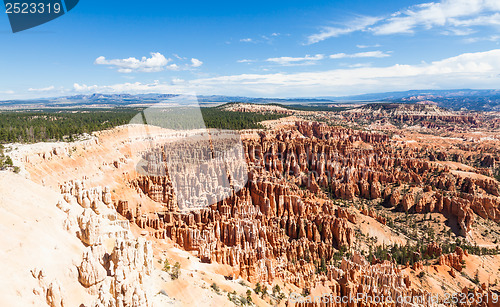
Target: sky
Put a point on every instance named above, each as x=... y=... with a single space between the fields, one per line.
x=254 y=48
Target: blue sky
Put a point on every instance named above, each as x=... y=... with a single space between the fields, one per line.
x=258 y=48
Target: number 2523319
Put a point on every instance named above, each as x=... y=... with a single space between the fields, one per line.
x=32 y=8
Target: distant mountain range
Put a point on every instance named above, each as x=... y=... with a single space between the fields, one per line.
x=404 y=94
x=479 y=100
x=117 y=100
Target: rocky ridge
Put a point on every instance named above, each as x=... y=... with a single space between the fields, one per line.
x=114 y=277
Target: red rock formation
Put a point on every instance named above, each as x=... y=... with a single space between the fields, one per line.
x=418 y=266
x=266 y=221
x=453 y=260
x=282 y=220
x=373 y=214
x=433 y=250
x=361 y=284
x=478 y=297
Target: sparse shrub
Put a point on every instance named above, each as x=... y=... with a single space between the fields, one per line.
x=215 y=287
x=176 y=271
x=8 y=161
x=166 y=266
x=476 y=278
x=276 y=289
x=243 y=283
x=162 y=292
x=306 y=292
x=264 y=291
x=258 y=288
x=244 y=301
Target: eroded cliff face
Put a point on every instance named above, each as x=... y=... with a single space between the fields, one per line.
x=283 y=226
x=114 y=275
x=359 y=283
x=282 y=223
x=264 y=230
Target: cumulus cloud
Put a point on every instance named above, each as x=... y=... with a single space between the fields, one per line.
x=452 y=14
x=246 y=40
x=196 y=62
x=368 y=54
x=157 y=62
x=476 y=70
x=288 y=61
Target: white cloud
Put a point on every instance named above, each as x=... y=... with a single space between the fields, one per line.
x=459 y=32
x=286 y=61
x=178 y=81
x=8 y=92
x=470 y=69
x=179 y=57
x=135 y=88
x=357 y=65
x=446 y=12
x=358 y=24
x=368 y=54
x=268 y=38
x=368 y=46
x=44 y=89
x=245 y=61
x=474 y=70
x=157 y=62
x=491 y=38
x=490 y=20
x=173 y=67
x=196 y=62
x=450 y=14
